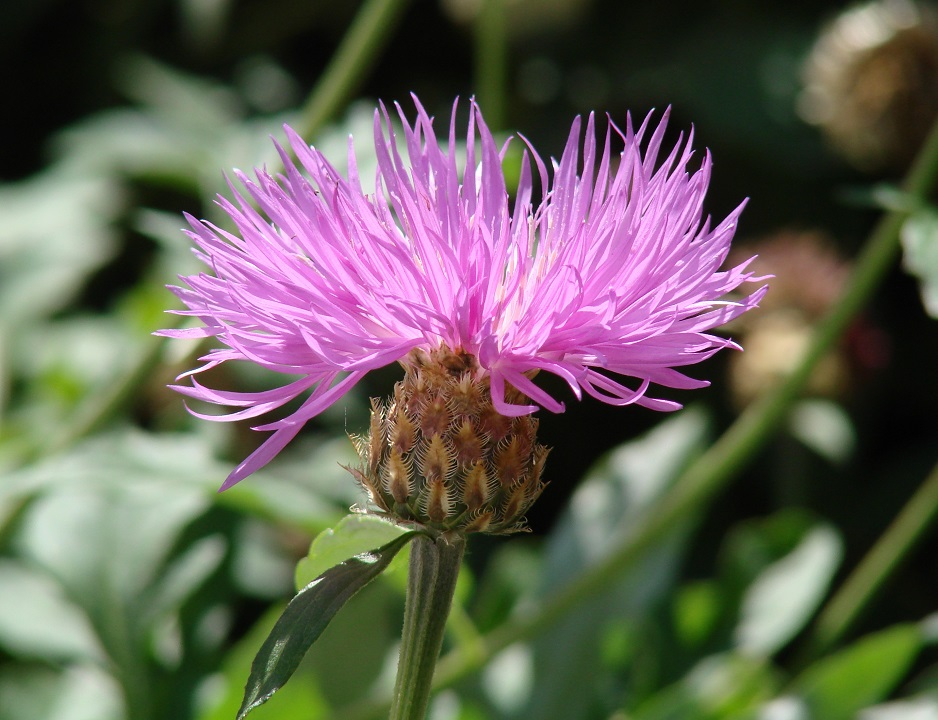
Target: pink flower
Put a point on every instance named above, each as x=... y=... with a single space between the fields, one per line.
x=614 y=272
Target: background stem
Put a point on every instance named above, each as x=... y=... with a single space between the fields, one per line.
x=491 y=62
x=366 y=37
x=859 y=588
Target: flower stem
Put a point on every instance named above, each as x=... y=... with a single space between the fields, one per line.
x=431 y=582
x=859 y=588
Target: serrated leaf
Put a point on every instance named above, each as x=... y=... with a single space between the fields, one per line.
x=352 y=535
x=306 y=617
x=839 y=686
x=920 y=254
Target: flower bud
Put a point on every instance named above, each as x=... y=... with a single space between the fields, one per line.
x=438 y=454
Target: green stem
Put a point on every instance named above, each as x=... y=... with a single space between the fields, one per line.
x=366 y=37
x=431 y=582
x=491 y=61
x=854 y=595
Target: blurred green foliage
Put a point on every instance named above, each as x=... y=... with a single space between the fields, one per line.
x=130 y=590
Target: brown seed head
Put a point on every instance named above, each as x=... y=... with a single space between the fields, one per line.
x=439 y=455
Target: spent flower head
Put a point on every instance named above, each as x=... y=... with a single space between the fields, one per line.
x=602 y=269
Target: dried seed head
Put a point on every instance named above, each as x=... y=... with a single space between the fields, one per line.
x=440 y=455
x=871 y=82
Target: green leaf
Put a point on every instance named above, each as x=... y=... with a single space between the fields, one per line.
x=837 y=687
x=920 y=254
x=719 y=686
x=825 y=427
x=696 y=611
x=352 y=535
x=56 y=231
x=307 y=615
x=299 y=699
x=38 y=621
x=753 y=545
x=81 y=691
x=786 y=593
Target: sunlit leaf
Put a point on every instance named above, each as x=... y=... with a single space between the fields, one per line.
x=783 y=597
x=696 y=610
x=353 y=534
x=80 y=692
x=222 y=696
x=924 y=708
x=825 y=427
x=307 y=615
x=719 y=686
x=753 y=545
x=56 y=230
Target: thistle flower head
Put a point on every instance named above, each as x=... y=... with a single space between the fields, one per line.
x=611 y=272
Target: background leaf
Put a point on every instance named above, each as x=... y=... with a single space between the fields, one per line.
x=920 y=254
x=862 y=674
x=784 y=596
